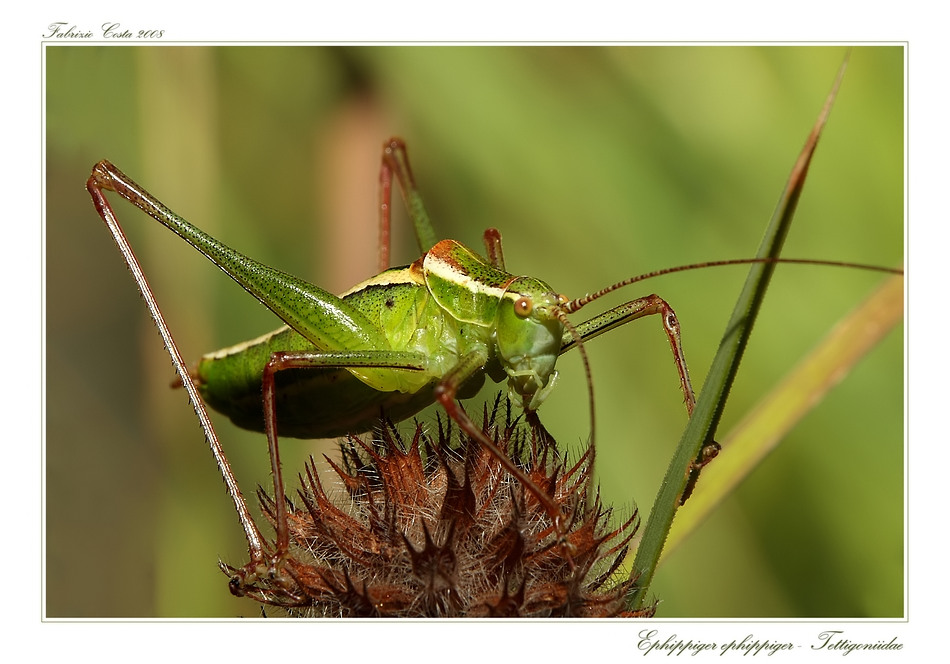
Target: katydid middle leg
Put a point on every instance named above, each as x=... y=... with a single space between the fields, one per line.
x=283 y=361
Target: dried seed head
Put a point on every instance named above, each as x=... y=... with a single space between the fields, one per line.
x=438 y=528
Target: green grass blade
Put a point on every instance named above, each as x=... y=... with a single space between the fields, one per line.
x=709 y=407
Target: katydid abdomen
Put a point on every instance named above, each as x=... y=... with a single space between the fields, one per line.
x=310 y=403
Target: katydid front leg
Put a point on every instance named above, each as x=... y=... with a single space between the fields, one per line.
x=631 y=311
x=651 y=305
x=318 y=315
x=445 y=394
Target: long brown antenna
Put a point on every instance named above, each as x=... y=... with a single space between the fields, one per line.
x=576 y=304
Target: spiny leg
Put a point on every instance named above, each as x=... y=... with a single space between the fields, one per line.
x=396 y=161
x=102 y=178
x=628 y=312
x=631 y=311
x=316 y=314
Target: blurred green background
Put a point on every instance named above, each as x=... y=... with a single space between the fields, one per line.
x=596 y=164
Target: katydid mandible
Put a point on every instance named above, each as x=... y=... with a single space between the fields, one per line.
x=410 y=336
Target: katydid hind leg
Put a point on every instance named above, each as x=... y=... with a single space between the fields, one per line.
x=252 y=534
x=106 y=176
x=324 y=319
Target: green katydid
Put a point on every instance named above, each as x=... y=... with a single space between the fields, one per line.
x=410 y=336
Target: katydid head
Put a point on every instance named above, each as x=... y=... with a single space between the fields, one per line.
x=528 y=332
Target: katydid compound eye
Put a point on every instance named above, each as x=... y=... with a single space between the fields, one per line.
x=523 y=307
x=562 y=300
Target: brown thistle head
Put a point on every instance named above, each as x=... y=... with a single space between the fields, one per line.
x=438 y=528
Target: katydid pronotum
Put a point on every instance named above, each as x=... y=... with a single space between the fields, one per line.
x=413 y=335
